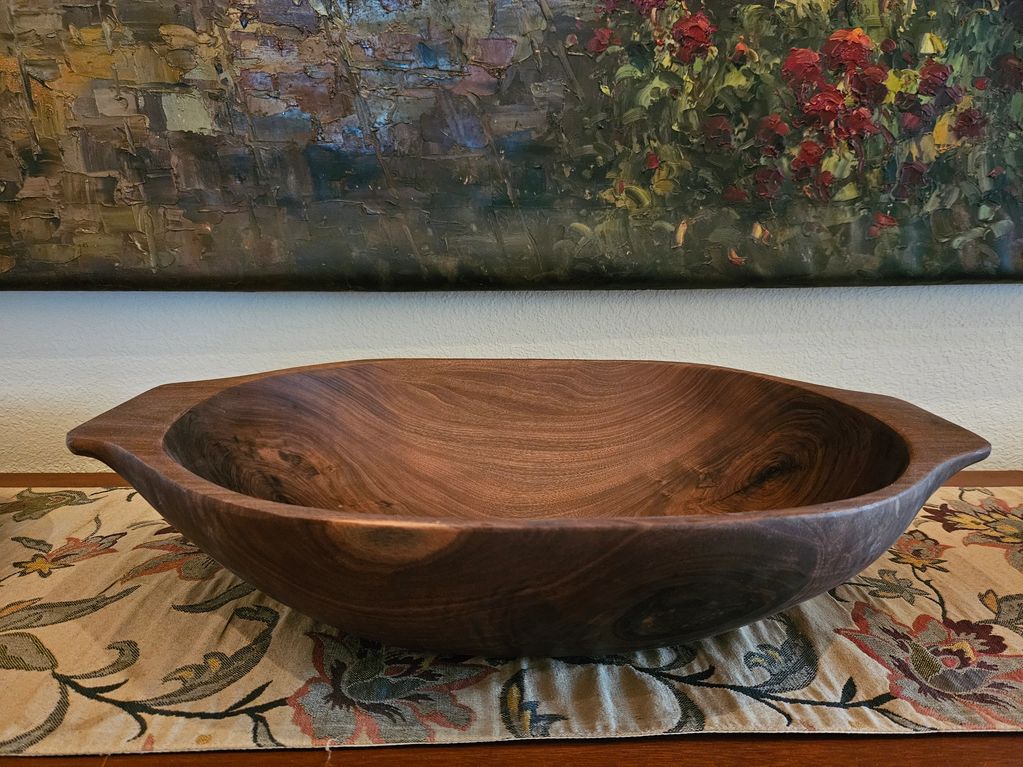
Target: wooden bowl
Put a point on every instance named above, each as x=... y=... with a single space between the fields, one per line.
x=509 y=507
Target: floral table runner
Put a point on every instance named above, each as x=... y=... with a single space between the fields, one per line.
x=118 y=635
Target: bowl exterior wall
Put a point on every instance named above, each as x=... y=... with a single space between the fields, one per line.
x=540 y=590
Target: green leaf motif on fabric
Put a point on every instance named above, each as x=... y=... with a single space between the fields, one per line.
x=32 y=614
x=127 y=655
x=791 y=666
x=19 y=743
x=24 y=652
x=29 y=505
x=1008 y=610
x=33 y=543
x=237 y=591
x=520 y=714
x=217 y=670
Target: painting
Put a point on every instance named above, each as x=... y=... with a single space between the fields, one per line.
x=443 y=144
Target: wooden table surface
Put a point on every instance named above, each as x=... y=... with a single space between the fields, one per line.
x=970 y=750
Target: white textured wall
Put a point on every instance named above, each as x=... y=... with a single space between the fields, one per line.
x=64 y=357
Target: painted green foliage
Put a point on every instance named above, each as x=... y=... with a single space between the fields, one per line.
x=840 y=136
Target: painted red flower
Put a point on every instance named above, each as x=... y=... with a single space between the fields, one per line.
x=602 y=39
x=914 y=115
x=847 y=48
x=870 y=84
x=645 y=6
x=912 y=176
x=955 y=671
x=820 y=189
x=969 y=123
x=1007 y=72
x=911 y=123
x=948 y=96
x=741 y=50
x=718 y=131
x=771 y=127
x=733 y=193
x=767 y=182
x=652 y=161
x=807 y=159
x=889 y=46
x=933 y=77
x=906 y=542
x=771 y=133
x=692 y=36
x=825 y=105
x=802 y=69
x=857 y=124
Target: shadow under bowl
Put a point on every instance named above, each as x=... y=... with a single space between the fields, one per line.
x=509 y=507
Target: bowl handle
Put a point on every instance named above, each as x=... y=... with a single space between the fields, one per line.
x=137 y=425
x=930 y=438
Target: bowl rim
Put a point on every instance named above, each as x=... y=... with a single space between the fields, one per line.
x=130 y=438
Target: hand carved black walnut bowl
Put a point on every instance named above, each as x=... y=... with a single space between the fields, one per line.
x=510 y=507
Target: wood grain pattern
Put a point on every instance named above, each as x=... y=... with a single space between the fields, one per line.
x=514 y=507
x=988 y=750
x=976 y=478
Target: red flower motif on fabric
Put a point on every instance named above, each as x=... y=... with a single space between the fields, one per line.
x=955 y=671
x=182 y=556
x=914 y=547
x=73 y=551
x=363 y=691
x=992 y=523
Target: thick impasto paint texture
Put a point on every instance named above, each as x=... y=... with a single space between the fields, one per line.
x=510 y=143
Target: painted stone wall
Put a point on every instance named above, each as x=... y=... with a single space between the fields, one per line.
x=454 y=143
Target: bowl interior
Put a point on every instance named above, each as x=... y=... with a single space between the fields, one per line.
x=534 y=439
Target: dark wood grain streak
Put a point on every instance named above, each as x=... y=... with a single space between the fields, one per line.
x=988 y=750
x=520 y=507
x=968 y=478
